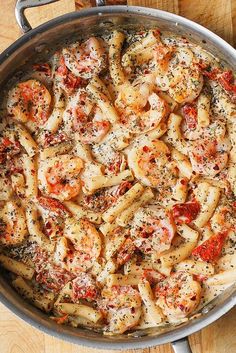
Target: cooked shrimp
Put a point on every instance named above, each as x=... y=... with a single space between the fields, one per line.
x=29 y=100
x=178 y=74
x=59 y=176
x=209 y=156
x=64 y=79
x=146 y=117
x=152 y=230
x=151 y=163
x=87 y=59
x=13 y=229
x=178 y=295
x=85 y=117
x=122 y=307
x=87 y=244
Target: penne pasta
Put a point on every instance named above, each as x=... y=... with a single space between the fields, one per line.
x=17 y=267
x=80 y=212
x=122 y=203
x=30 y=173
x=154 y=312
x=123 y=280
x=103 y=181
x=195 y=267
x=26 y=140
x=54 y=151
x=43 y=302
x=34 y=227
x=82 y=310
x=124 y=217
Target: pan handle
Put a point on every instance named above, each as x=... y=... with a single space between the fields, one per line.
x=22 y=5
x=181 y=346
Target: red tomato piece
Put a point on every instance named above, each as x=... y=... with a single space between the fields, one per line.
x=190 y=115
x=186 y=212
x=211 y=249
x=226 y=79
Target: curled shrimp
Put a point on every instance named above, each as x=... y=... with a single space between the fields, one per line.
x=209 y=156
x=29 y=100
x=146 y=118
x=151 y=163
x=86 y=242
x=178 y=295
x=87 y=59
x=178 y=74
x=59 y=176
x=152 y=230
x=122 y=308
x=13 y=229
x=85 y=117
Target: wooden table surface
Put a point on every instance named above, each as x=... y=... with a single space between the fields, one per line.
x=15 y=335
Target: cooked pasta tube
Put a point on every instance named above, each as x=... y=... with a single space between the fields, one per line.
x=208 y=203
x=183 y=163
x=131 y=267
x=26 y=140
x=174 y=135
x=181 y=252
x=114 y=55
x=83 y=151
x=223 y=277
x=80 y=212
x=196 y=267
x=112 y=243
x=118 y=137
x=178 y=254
x=180 y=190
x=187 y=233
x=30 y=172
x=17 y=267
x=123 y=280
x=103 y=181
x=227 y=262
x=107 y=228
x=171 y=102
x=41 y=301
x=34 y=227
x=140 y=50
x=103 y=102
x=55 y=120
x=123 y=202
x=203 y=110
x=109 y=268
x=155 y=313
x=232 y=169
x=18 y=183
x=127 y=214
x=54 y=151
x=80 y=310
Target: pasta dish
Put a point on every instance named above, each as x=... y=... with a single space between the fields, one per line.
x=118 y=181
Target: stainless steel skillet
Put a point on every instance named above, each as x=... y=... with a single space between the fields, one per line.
x=37 y=42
